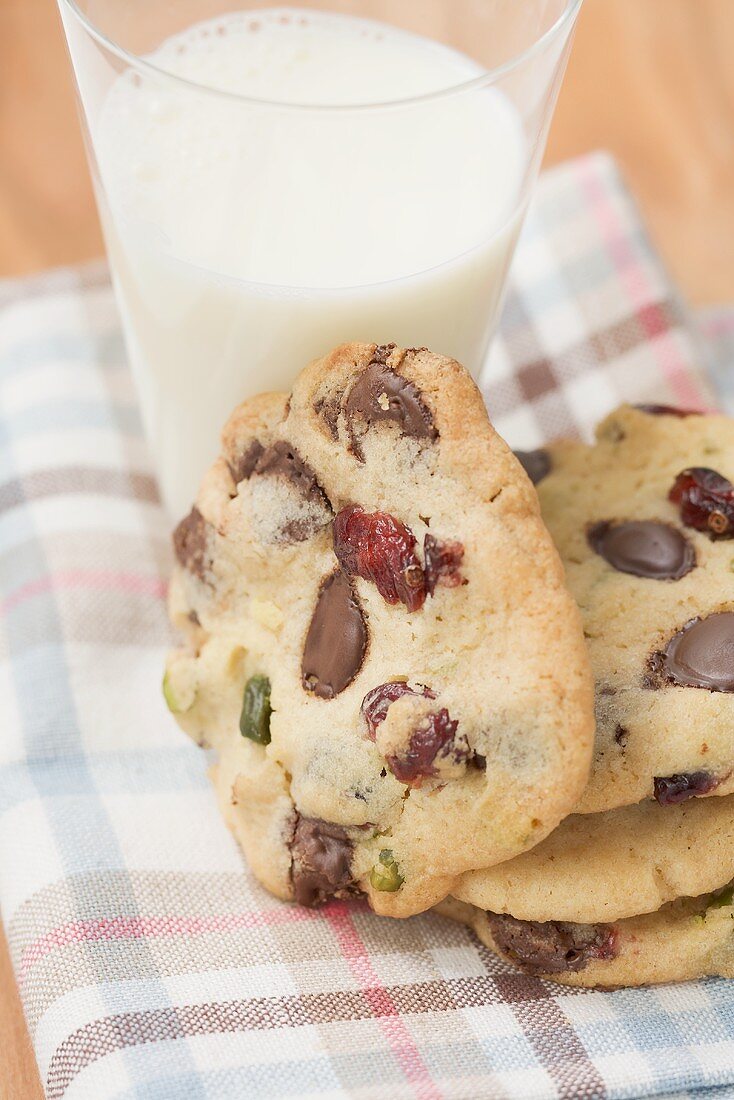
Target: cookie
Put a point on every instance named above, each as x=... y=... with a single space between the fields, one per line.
x=379 y=644
x=644 y=521
x=617 y=864
x=685 y=939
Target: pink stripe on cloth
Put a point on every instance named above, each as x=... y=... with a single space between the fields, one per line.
x=100 y=580
x=633 y=278
x=721 y=324
x=106 y=929
x=340 y=917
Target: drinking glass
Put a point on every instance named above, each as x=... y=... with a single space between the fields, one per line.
x=275 y=181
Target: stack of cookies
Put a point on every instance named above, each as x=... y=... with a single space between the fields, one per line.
x=635 y=887
x=381 y=649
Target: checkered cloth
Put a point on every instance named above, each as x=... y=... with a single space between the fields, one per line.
x=717 y=326
x=149 y=962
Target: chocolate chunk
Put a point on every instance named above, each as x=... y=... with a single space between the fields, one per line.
x=552 y=947
x=536 y=464
x=298 y=530
x=701 y=655
x=282 y=460
x=621 y=734
x=644 y=548
x=380 y=393
x=328 y=409
x=442 y=561
x=243 y=466
x=670 y=789
x=288 y=504
x=666 y=410
x=321 y=858
x=191 y=543
x=336 y=642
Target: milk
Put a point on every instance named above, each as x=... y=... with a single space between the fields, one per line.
x=247 y=238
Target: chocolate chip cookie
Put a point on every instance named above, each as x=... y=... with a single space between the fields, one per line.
x=379 y=644
x=596 y=868
x=685 y=939
x=644 y=521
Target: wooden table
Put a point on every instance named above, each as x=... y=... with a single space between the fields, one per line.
x=652 y=80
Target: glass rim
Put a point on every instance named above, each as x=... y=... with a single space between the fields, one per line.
x=487 y=77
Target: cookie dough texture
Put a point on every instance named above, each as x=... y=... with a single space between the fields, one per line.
x=646 y=729
x=497 y=647
x=686 y=939
x=609 y=866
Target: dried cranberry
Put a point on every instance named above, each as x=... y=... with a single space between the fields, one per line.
x=376 y=703
x=670 y=789
x=441 y=562
x=706 y=501
x=433 y=736
x=666 y=410
x=379 y=548
x=436 y=731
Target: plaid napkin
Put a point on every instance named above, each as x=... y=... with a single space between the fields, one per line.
x=149 y=962
x=717 y=327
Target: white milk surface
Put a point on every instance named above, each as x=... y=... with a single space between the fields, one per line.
x=248 y=238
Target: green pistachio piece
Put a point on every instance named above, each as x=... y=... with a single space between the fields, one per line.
x=179 y=697
x=256 y=710
x=722 y=900
x=385 y=874
x=168 y=693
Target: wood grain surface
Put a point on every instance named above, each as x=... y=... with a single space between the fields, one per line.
x=651 y=80
x=18 y=1071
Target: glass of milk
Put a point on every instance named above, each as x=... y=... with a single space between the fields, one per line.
x=274 y=180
